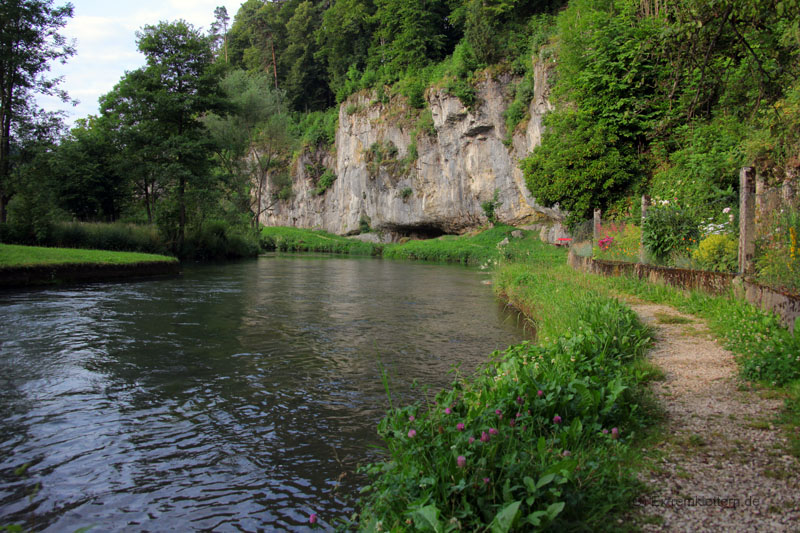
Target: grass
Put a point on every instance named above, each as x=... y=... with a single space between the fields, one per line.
x=476 y=249
x=12 y=255
x=287 y=239
x=479 y=249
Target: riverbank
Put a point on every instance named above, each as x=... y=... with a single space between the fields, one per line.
x=32 y=265
x=545 y=436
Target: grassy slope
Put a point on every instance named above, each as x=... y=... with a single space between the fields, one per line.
x=12 y=256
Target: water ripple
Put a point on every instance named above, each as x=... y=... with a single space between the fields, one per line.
x=237 y=398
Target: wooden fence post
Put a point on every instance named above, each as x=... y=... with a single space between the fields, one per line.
x=747 y=222
x=596 y=227
x=645 y=206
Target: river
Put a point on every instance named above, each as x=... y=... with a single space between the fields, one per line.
x=237 y=397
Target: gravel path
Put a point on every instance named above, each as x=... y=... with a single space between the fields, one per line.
x=723 y=466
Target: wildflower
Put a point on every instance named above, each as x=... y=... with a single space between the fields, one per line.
x=312 y=518
x=519 y=415
x=460 y=426
x=499 y=413
x=556 y=419
x=412 y=433
x=411 y=418
x=540 y=393
x=461 y=461
x=605 y=431
x=447 y=410
x=726 y=210
x=484 y=436
x=471 y=440
x=486 y=481
x=566 y=453
x=614 y=433
x=492 y=431
x=512 y=423
x=519 y=400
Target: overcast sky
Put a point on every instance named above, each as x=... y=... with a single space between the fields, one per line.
x=105 y=32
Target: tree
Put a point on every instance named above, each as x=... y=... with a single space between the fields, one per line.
x=29 y=41
x=157 y=110
x=411 y=33
x=253 y=142
x=219 y=31
x=91 y=184
x=344 y=38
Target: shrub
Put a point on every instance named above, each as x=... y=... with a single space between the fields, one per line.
x=718 y=253
x=490 y=206
x=325 y=182
x=668 y=230
x=406 y=192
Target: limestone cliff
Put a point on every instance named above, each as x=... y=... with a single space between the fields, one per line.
x=460 y=161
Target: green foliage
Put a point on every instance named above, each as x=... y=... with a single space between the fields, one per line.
x=718 y=252
x=777 y=255
x=703 y=172
x=480 y=249
x=364 y=223
x=281 y=185
x=622 y=241
x=301 y=240
x=325 y=181
x=411 y=33
x=668 y=230
x=501 y=450
x=215 y=240
x=490 y=207
x=109 y=236
x=581 y=165
x=317 y=128
x=406 y=193
x=29 y=42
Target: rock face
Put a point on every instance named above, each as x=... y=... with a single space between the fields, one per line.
x=461 y=160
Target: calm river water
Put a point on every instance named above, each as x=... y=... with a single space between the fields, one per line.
x=238 y=397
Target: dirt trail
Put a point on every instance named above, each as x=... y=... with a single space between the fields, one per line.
x=723 y=466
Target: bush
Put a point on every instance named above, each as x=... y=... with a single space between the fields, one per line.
x=668 y=230
x=719 y=253
x=490 y=206
x=215 y=241
x=325 y=182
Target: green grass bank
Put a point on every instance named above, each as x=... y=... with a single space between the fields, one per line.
x=33 y=265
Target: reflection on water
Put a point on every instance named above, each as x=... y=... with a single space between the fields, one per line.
x=237 y=398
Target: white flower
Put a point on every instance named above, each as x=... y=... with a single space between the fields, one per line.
x=726 y=210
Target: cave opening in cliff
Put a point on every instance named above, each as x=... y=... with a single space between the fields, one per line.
x=419 y=232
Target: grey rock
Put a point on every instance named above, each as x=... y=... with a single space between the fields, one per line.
x=457 y=168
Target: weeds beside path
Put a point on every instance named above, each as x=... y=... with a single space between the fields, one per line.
x=722 y=466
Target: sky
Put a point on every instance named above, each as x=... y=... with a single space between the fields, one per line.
x=105 y=38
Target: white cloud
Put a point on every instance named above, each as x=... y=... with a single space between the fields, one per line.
x=106 y=44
